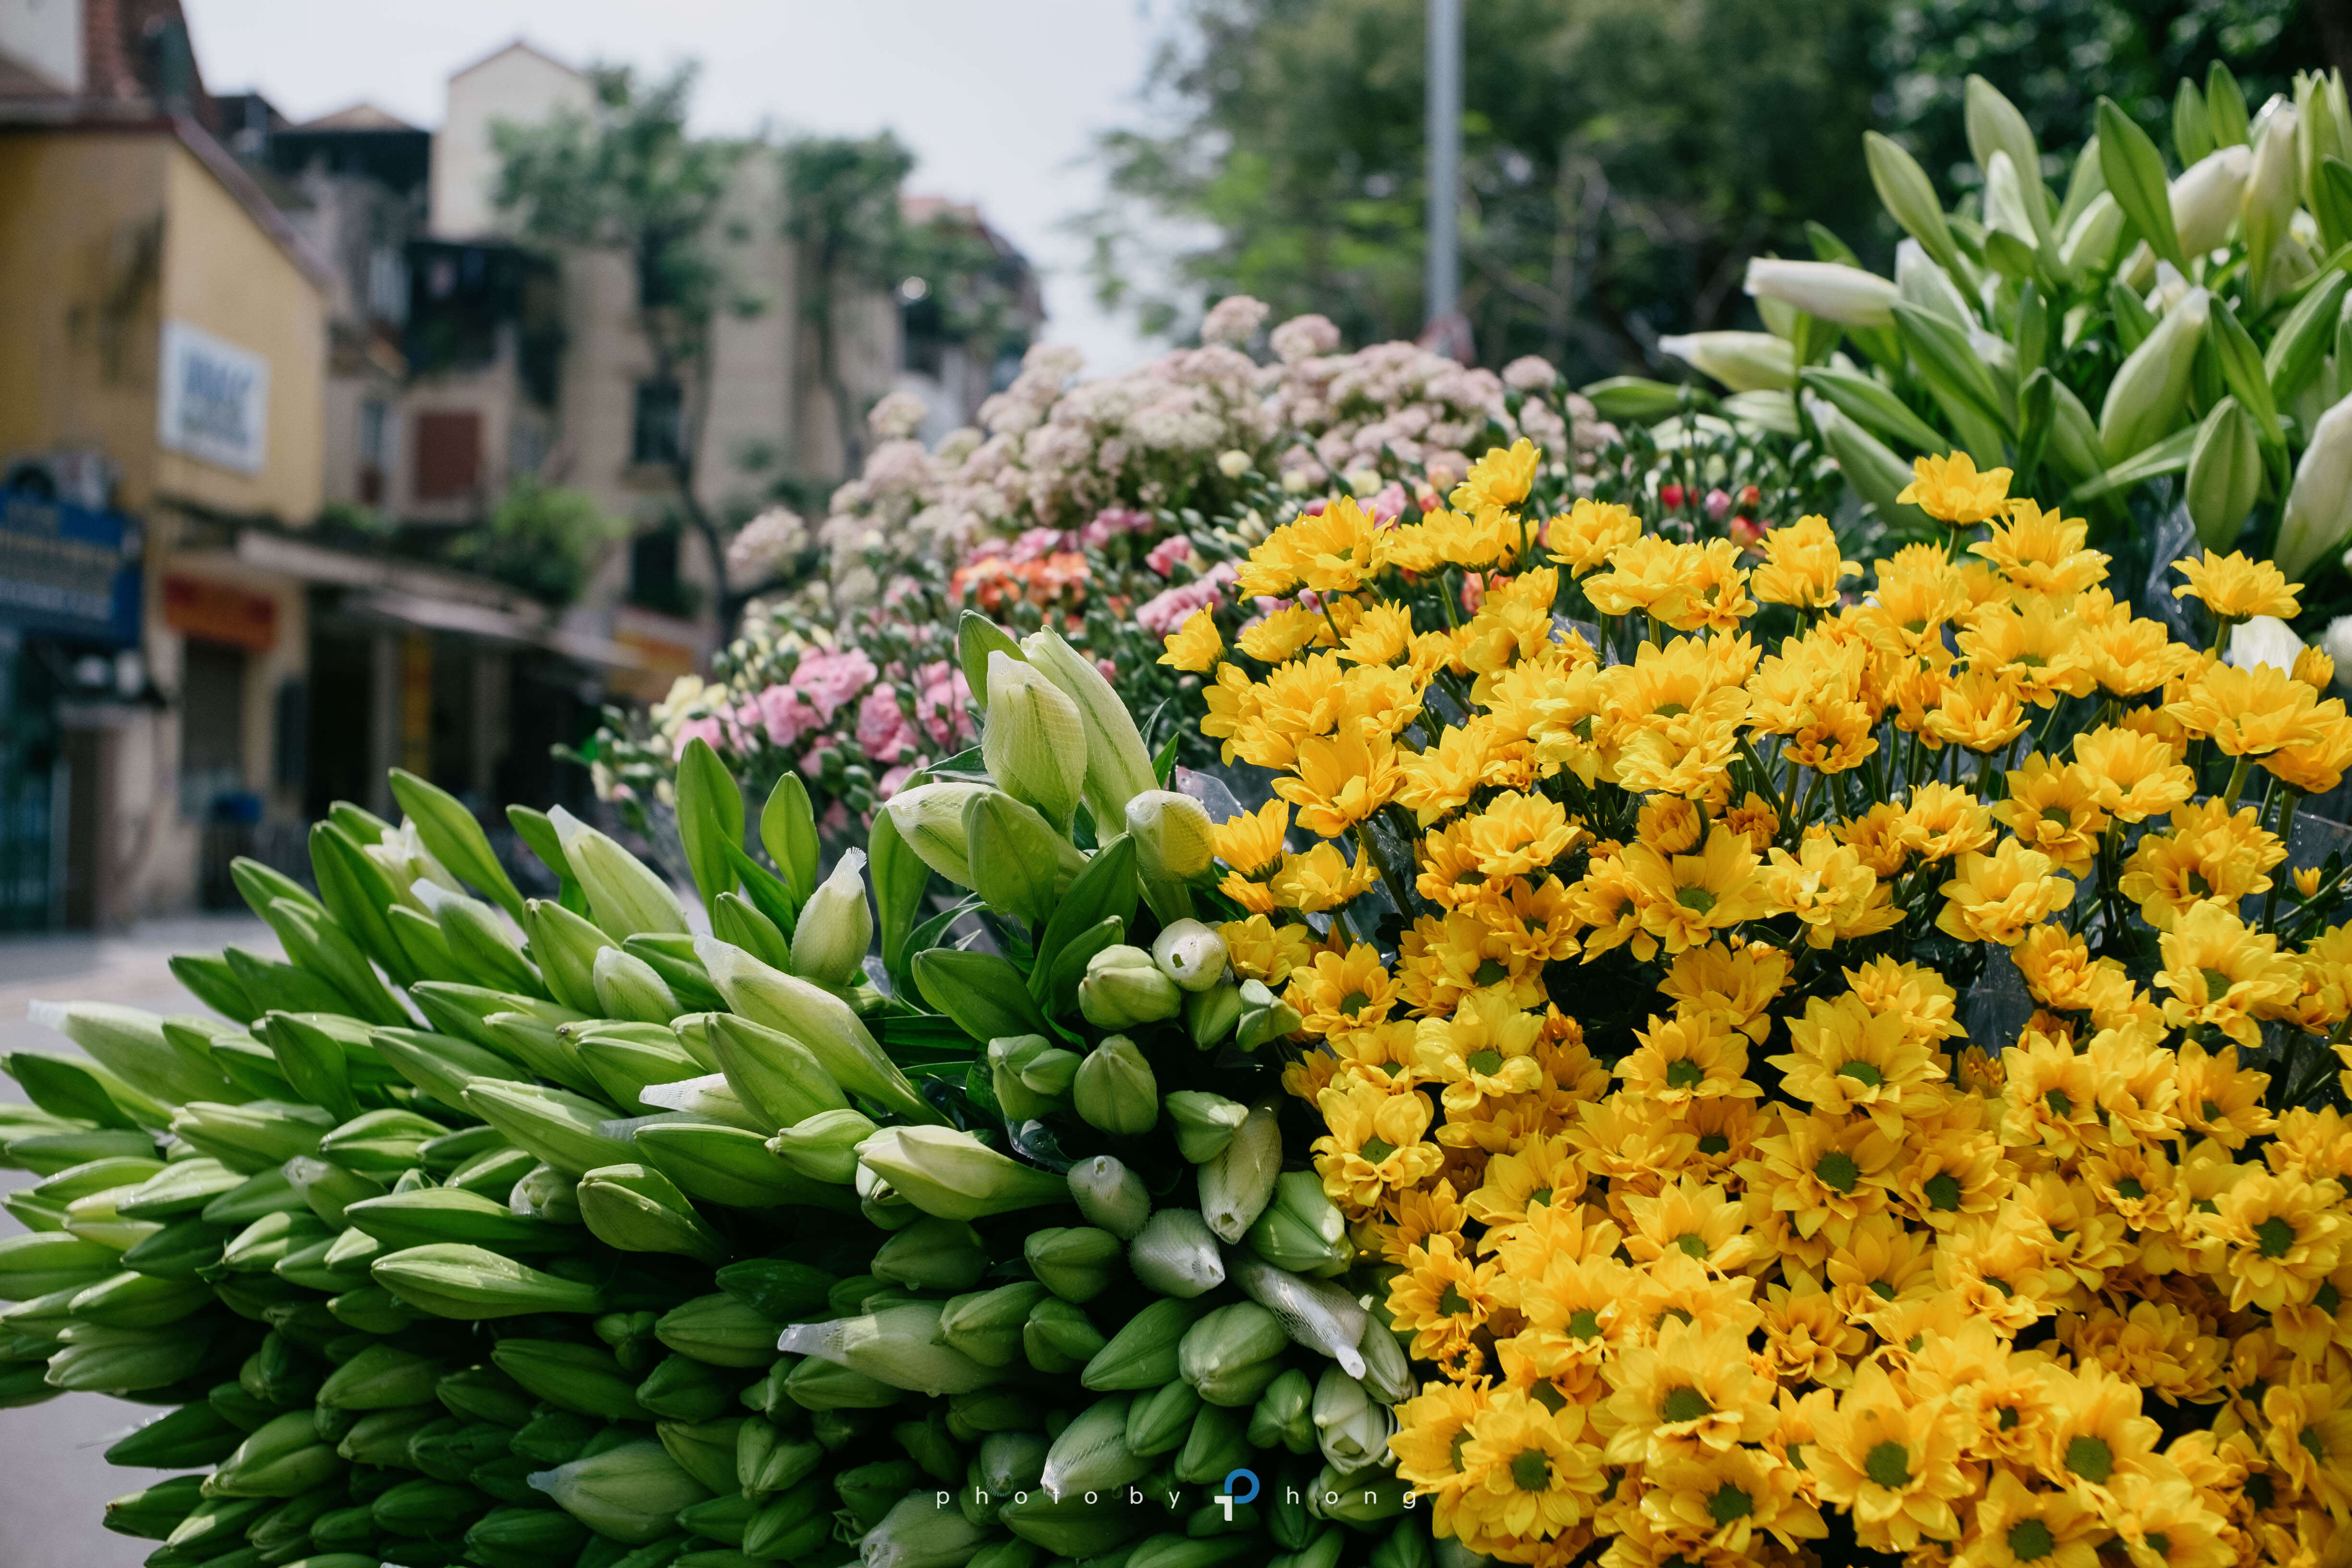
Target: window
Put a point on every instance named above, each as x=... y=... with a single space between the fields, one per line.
x=923 y=332
x=526 y=448
x=653 y=570
x=656 y=432
x=376 y=430
x=375 y=449
x=387 y=284
x=449 y=455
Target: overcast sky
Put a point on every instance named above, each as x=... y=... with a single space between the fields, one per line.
x=998 y=99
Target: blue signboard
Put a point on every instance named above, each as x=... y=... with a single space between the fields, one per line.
x=67 y=570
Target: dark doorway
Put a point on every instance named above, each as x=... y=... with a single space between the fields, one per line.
x=343 y=721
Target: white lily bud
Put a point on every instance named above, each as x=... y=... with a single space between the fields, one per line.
x=1174 y=845
x=2090 y=243
x=2006 y=207
x=1351 y=1427
x=624 y=894
x=1921 y=282
x=2206 y=198
x=2225 y=470
x=2264 y=639
x=2318 y=516
x=835 y=926
x=930 y=817
x=1996 y=130
x=1118 y=765
x=1033 y=740
x=1846 y=295
x=2151 y=388
x=1190 y=953
x=2274 y=183
x=1744 y=362
x=1908 y=194
x=2336 y=642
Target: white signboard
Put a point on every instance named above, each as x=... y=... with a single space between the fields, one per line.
x=215 y=402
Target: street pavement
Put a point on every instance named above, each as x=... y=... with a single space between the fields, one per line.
x=53 y=1483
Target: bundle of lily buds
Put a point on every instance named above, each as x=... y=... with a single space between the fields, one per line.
x=960 y=1220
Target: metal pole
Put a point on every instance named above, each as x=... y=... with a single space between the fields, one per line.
x=1445 y=132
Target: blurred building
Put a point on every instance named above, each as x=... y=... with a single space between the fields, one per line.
x=760 y=414
x=161 y=386
x=191 y=666
x=260 y=379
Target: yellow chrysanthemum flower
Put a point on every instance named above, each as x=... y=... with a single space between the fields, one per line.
x=1801 y=565
x=1847 y=1060
x=1533 y=1477
x=1500 y=479
x=1583 y=538
x=1196 y=646
x=1375 y=1143
x=1949 y=489
x=1895 y=1462
x=2222 y=974
x=2236 y=589
x=1997 y=897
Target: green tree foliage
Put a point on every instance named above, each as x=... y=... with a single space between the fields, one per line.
x=625 y=177
x=844 y=209
x=843 y=206
x=2056 y=58
x=539 y=538
x=1621 y=161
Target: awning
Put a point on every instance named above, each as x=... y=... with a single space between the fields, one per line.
x=431 y=599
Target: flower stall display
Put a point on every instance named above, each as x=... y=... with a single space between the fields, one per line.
x=533 y=1232
x=1579 y=1119
x=2144 y=342
x=1107 y=508
x=1647 y=963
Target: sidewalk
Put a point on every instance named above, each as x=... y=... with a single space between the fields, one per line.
x=53 y=1484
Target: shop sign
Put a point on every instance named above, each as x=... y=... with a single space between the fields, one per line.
x=67 y=570
x=216 y=612
x=215 y=400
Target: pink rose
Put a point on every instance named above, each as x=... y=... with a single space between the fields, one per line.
x=883 y=729
x=1388 y=505
x=894 y=781
x=1165 y=611
x=711 y=731
x=830 y=679
x=1109 y=670
x=1169 y=554
x=785 y=713
x=943 y=702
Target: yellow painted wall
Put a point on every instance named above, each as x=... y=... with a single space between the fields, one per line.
x=224 y=274
x=82 y=261
x=105 y=234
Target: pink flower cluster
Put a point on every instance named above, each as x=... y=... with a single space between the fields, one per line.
x=1165 y=611
x=828 y=684
x=821 y=686
x=1036 y=543
x=1169 y=554
x=1386 y=505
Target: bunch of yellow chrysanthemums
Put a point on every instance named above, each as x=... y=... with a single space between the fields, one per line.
x=1718 y=1239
